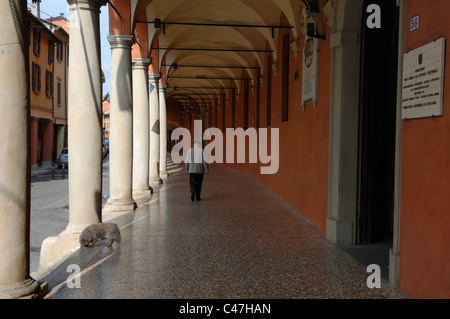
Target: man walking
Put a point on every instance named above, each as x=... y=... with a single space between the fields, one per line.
x=196 y=167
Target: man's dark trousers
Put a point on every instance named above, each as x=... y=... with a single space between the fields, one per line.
x=195 y=181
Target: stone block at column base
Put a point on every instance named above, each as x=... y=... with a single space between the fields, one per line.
x=28 y=289
x=55 y=248
x=394 y=266
x=120 y=205
x=164 y=176
x=155 y=182
x=340 y=232
x=47 y=164
x=142 y=192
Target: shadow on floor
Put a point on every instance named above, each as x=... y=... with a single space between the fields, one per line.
x=377 y=253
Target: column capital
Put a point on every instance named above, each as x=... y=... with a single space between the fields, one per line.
x=141 y=63
x=87 y=4
x=154 y=77
x=162 y=87
x=121 y=41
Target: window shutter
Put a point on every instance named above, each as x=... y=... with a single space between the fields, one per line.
x=38 y=78
x=59 y=93
x=46 y=82
x=33 y=76
x=51 y=83
x=34 y=41
x=51 y=53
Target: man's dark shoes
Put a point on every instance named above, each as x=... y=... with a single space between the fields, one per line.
x=192 y=197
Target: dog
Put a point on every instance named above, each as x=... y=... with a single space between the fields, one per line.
x=102 y=231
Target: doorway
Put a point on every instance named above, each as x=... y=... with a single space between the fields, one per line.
x=377 y=126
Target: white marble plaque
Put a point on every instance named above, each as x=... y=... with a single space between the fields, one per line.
x=309 y=76
x=423 y=81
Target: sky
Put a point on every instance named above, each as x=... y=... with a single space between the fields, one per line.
x=55 y=7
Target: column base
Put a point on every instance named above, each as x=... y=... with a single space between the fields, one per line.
x=164 y=176
x=156 y=182
x=394 y=262
x=28 y=289
x=55 y=248
x=339 y=232
x=47 y=164
x=142 y=192
x=120 y=205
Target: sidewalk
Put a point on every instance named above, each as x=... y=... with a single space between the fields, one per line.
x=239 y=241
x=41 y=170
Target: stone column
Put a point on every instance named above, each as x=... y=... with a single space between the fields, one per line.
x=344 y=106
x=394 y=252
x=141 y=127
x=121 y=124
x=163 y=132
x=15 y=281
x=84 y=129
x=154 y=130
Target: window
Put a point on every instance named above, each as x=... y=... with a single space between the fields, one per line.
x=246 y=100
x=59 y=52
x=33 y=76
x=258 y=97
x=223 y=114
x=285 y=80
x=36 y=77
x=49 y=83
x=58 y=93
x=216 y=110
x=36 y=42
x=269 y=91
x=233 y=107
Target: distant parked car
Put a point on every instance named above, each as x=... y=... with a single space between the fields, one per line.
x=105 y=151
x=63 y=159
x=106 y=143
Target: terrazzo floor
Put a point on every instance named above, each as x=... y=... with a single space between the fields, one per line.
x=239 y=241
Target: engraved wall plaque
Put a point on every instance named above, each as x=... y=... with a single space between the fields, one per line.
x=423 y=81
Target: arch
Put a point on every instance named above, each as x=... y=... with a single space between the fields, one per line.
x=171 y=125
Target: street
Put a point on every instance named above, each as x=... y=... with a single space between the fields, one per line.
x=50 y=208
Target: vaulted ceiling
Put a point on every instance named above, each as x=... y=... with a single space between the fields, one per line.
x=208 y=43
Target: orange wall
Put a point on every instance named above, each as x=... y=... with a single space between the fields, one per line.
x=60 y=75
x=174 y=115
x=302 y=179
x=425 y=214
x=154 y=55
x=140 y=48
x=120 y=24
x=41 y=104
x=47 y=145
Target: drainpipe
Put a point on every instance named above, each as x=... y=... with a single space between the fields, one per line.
x=52 y=85
x=394 y=252
x=64 y=49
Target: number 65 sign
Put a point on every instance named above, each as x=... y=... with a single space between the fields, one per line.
x=414 y=23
